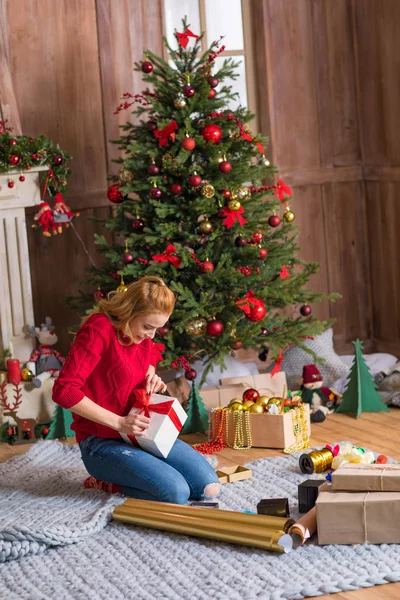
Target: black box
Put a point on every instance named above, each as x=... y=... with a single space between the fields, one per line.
x=205 y=504
x=308 y=493
x=275 y=507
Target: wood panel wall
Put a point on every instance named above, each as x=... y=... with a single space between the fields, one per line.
x=327 y=95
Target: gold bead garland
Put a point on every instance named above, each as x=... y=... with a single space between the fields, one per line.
x=300 y=430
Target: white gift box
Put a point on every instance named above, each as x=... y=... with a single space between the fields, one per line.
x=167 y=418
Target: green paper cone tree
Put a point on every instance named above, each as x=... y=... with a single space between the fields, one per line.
x=197 y=417
x=360 y=395
x=61 y=424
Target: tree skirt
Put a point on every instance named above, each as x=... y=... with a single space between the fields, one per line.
x=68 y=548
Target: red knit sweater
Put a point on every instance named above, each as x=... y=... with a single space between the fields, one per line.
x=99 y=367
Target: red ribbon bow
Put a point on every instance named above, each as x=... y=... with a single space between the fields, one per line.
x=278 y=363
x=183 y=38
x=168 y=256
x=166 y=134
x=284 y=272
x=334 y=449
x=246 y=303
x=282 y=190
x=143 y=402
x=232 y=216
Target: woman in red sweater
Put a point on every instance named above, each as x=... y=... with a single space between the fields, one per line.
x=112 y=355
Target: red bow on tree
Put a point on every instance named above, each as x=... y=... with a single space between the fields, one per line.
x=168 y=256
x=247 y=303
x=282 y=190
x=183 y=38
x=166 y=134
x=232 y=216
x=284 y=272
x=278 y=363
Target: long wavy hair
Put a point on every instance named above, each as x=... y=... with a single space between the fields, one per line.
x=146 y=296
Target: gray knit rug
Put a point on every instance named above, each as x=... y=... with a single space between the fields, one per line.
x=67 y=547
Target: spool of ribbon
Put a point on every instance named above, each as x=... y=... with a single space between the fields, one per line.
x=316 y=461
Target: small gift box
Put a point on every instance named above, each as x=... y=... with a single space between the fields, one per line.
x=308 y=493
x=275 y=507
x=265 y=383
x=231 y=474
x=358 y=517
x=166 y=420
x=367 y=478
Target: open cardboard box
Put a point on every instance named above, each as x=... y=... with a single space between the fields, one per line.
x=235 y=473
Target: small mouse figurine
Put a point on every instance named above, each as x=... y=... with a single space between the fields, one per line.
x=45 y=361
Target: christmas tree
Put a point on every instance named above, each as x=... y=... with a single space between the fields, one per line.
x=197 y=416
x=198 y=204
x=360 y=394
x=60 y=426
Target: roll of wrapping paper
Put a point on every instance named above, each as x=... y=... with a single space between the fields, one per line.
x=264 y=521
x=316 y=461
x=224 y=531
x=304 y=528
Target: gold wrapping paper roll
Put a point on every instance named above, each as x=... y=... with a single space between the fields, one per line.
x=267 y=539
x=261 y=521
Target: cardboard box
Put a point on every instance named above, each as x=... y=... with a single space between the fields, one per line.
x=358 y=517
x=265 y=383
x=236 y=473
x=308 y=493
x=219 y=396
x=275 y=507
x=267 y=431
x=166 y=420
x=367 y=478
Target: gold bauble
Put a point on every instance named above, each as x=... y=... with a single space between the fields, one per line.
x=196 y=327
x=235 y=401
x=205 y=226
x=234 y=205
x=121 y=289
x=288 y=215
x=180 y=102
x=26 y=374
x=207 y=190
x=236 y=407
x=278 y=402
x=256 y=408
x=235 y=135
x=248 y=403
x=242 y=192
x=125 y=176
x=42 y=154
x=275 y=401
x=263 y=400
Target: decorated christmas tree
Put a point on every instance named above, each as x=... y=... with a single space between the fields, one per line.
x=197 y=416
x=60 y=426
x=360 y=395
x=198 y=203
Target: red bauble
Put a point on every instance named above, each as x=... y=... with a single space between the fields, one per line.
x=263 y=253
x=250 y=395
x=14 y=159
x=194 y=180
x=188 y=144
x=215 y=328
x=162 y=331
x=9 y=431
x=114 y=194
x=34 y=157
x=188 y=91
x=137 y=224
x=98 y=295
x=306 y=310
x=212 y=133
x=264 y=331
x=175 y=188
x=257 y=313
x=226 y=194
x=191 y=374
x=256 y=238
x=212 y=81
x=57 y=159
x=221 y=212
x=10 y=184
x=147 y=66
x=127 y=258
x=274 y=221
x=155 y=193
x=151 y=125
x=21 y=178
x=225 y=167
x=240 y=241
x=152 y=169
x=207 y=266
x=236 y=345
x=12 y=142
x=211 y=94
x=45 y=430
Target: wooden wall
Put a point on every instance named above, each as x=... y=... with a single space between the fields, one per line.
x=327 y=95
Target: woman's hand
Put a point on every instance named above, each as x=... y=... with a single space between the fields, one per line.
x=154 y=384
x=133 y=424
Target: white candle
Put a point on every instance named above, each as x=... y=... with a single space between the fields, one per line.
x=11 y=350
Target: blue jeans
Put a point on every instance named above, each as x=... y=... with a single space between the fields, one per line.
x=182 y=475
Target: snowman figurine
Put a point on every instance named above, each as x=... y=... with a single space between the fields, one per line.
x=45 y=361
x=322 y=400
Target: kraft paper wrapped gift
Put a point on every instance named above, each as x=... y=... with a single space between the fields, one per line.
x=367 y=478
x=166 y=420
x=265 y=383
x=219 y=395
x=267 y=431
x=358 y=517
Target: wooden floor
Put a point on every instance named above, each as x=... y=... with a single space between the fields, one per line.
x=377 y=431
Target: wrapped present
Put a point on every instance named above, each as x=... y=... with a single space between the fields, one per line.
x=239 y=430
x=179 y=388
x=220 y=395
x=265 y=383
x=358 y=517
x=166 y=420
x=367 y=478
